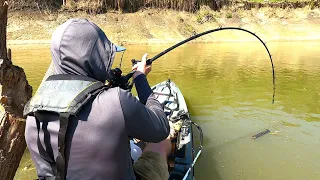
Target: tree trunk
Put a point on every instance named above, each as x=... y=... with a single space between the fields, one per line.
x=15 y=92
x=3 y=25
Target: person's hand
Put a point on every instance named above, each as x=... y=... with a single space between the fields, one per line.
x=142 y=67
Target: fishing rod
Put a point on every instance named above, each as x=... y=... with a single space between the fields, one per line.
x=117 y=79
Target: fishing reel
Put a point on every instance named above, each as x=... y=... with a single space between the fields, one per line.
x=116 y=79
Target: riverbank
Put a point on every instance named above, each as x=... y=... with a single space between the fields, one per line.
x=155 y=26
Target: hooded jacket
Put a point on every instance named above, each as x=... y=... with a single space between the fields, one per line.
x=97 y=140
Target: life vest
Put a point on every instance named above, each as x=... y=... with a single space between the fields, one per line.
x=64 y=95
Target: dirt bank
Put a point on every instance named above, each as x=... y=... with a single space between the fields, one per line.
x=167 y=26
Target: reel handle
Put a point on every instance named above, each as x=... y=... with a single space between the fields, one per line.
x=129 y=75
x=134 y=61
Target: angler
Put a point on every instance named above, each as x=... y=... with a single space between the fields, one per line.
x=79 y=128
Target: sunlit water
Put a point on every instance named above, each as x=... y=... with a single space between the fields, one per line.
x=228 y=88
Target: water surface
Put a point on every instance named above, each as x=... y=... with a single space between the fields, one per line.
x=228 y=88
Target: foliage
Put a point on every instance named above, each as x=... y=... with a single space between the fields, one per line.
x=190 y=29
x=97 y=6
x=34 y=4
x=312 y=4
x=272 y=1
x=205 y=15
x=229 y=15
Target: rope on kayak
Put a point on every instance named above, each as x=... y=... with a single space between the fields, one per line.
x=199 y=152
x=194 y=161
x=201 y=133
x=149 y=61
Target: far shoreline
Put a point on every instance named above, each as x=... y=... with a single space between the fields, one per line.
x=47 y=42
x=154 y=26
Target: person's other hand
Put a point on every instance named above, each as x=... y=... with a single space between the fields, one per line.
x=142 y=67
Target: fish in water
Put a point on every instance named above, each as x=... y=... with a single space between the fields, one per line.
x=260 y=134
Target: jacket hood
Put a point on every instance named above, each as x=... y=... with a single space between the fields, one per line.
x=80 y=47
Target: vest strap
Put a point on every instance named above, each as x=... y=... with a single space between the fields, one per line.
x=61 y=159
x=67 y=103
x=47 y=154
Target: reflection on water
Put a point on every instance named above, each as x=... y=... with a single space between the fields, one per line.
x=228 y=88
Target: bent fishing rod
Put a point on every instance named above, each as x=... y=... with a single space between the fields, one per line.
x=116 y=79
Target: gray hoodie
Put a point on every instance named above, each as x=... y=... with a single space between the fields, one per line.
x=97 y=138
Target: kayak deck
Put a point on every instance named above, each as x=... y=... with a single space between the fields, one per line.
x=182 y=157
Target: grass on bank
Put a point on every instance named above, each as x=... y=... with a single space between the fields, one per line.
x=275 y=1
x=311 y=3
x=102 y=6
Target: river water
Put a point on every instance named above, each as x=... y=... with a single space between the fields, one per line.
x=228 y=88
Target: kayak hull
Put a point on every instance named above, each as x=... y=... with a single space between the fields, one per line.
x=182 y=155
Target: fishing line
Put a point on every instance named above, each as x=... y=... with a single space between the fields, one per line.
x=116 y=79
x=149 y=61
x=124 y=79
x=121 y=59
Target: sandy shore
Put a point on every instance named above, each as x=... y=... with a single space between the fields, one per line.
x=165 y=26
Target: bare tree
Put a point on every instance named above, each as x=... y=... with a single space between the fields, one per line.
x=15 y=92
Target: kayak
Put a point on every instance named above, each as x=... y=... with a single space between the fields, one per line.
x=183 y=155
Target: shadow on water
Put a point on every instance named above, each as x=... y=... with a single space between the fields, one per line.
x=206 y=166
x=228 y=89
